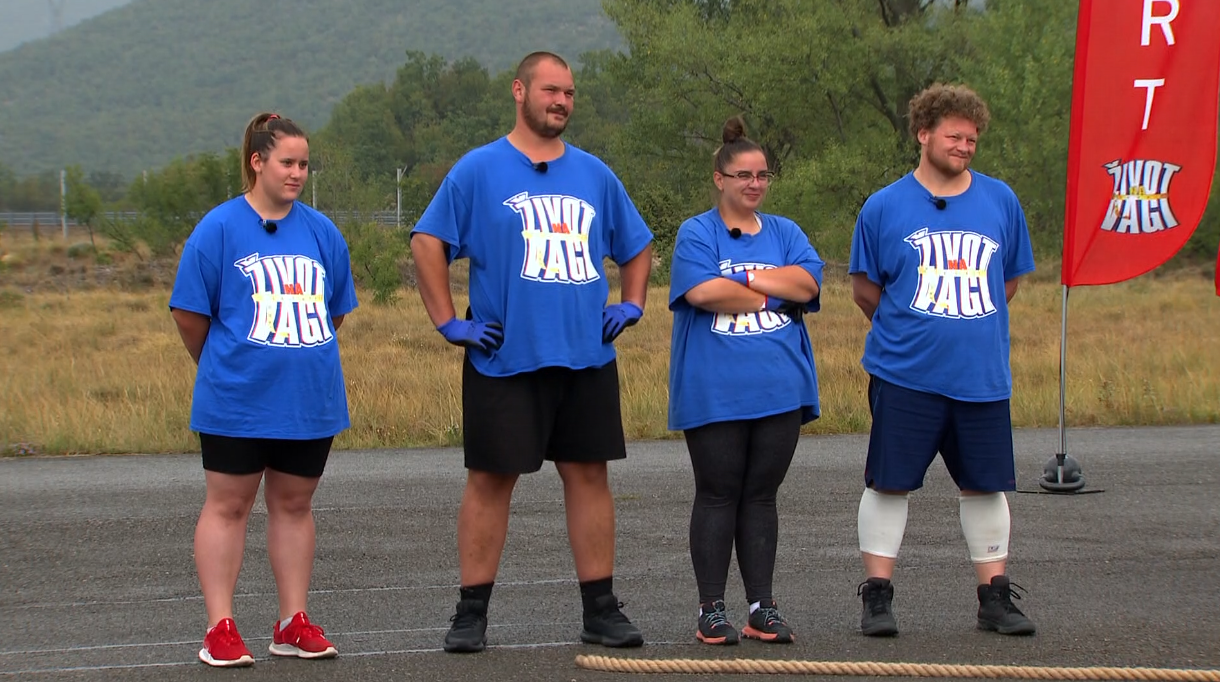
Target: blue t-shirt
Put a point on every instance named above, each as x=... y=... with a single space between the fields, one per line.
x=536 y=241
x=738 y=366
x=942 y=324
x=270 y=365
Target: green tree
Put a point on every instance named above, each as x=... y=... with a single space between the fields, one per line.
x=1019 y=57
x=39 y=192
x=363 y=124
x=82 y=203
x=377 y=254
x=822 y=87
x=110 y=186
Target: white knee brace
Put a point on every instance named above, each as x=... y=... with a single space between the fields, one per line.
x=986 y=523
x=881 y=523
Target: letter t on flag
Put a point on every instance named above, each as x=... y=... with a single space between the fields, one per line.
x=1142 y=147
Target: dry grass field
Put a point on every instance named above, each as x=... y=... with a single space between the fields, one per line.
x=90 y=361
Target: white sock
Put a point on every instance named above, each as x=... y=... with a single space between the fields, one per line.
x=284 y=623
x=754 y=606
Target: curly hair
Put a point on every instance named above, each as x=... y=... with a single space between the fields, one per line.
x=939 y=101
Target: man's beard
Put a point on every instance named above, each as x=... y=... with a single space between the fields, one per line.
x=945 y=165
x=542 y=127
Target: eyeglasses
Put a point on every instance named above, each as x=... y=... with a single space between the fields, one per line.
x=763 y=177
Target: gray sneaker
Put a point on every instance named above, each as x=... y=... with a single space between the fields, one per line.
x=767 y=625
x=877 y=619
x=714 y=626
x=997 y=613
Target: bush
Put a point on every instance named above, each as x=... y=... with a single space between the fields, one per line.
x=376 y=254
x=80 y=250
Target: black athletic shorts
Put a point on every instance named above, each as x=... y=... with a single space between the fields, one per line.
x=228 y=455
x=512 y=424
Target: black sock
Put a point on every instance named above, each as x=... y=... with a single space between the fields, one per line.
x=479 y=592
x=592 y=589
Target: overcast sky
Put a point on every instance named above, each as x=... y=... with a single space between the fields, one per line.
x=25 y=20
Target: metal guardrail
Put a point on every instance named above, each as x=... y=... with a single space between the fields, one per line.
x=49 y=220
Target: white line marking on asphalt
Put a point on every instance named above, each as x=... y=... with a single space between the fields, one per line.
x=337 y=635
x=246 y=595
x=357 y=654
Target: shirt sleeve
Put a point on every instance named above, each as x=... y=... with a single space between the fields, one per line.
x=447 y=217
x=197 y=282
x=1018 y=252
x=629 y=234
x=343 y=295
x=864 y=246
x=802 y=253
x=695 y=261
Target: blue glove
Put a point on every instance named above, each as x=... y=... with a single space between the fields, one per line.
x=481 y=335
x=617 y=317
x=742 y=277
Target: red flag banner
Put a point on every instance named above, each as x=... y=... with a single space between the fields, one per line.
x=1143 y=134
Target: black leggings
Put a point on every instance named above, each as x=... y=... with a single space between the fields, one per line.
x=739 y=466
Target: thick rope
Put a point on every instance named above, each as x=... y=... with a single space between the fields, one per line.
x=876 y=669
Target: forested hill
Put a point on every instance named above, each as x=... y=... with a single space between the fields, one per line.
x=139 y=85
x=25 y=20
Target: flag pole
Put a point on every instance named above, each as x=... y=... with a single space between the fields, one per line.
x=1062 y=474
x=1063 y=335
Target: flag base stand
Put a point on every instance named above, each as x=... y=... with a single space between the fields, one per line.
x=1062 y=475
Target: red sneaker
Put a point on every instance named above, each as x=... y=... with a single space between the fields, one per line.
x=301 y=639
x=223 y=648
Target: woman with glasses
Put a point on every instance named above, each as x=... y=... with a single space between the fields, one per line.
x=742 y=380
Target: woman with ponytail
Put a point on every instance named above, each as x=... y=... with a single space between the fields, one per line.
x=263 y=284
x=742 y=380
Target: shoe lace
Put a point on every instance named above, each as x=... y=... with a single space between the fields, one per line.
x=874 y=599
x=612 y=613
x=715 y=618
x=1006 y=596
x=227 y=636
x=465 y=619
x=308 y=630
x=312 y=631
x=771 y=615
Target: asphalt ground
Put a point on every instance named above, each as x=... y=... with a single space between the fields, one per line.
x=97 y=579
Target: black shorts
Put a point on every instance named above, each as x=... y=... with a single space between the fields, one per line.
x=512 y=424
x=239 y=456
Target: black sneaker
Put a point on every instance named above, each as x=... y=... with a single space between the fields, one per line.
x=767 y=624
x=997 y=613
x=468 y=634
x=878 y=616
x=605 y=624
x=714 y=626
